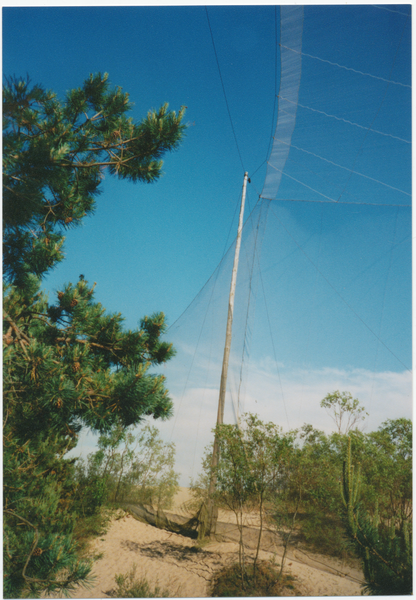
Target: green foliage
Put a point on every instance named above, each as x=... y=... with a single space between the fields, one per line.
x=313 y=487
x=67 y=363
x=91 y=526
x=199 y=487
x=385 y=551
x=387 y=464
x=253 y=460
x=305 y=485
x=55 y=156
x=323 y=533
x=129 y=586
x=91 y=489
x=264 y=582
x=127 y=467
x=344 y=410
x=385 y=459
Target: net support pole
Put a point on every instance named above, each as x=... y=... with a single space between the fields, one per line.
x=212 y=508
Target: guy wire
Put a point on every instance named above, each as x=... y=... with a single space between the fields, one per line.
x=223 y=89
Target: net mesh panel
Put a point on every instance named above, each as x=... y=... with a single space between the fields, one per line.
x=323 y=291
x=291 y=24
x=191 y=527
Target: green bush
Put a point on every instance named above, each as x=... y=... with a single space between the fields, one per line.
x=128 y=468
x=324 y=534
x=92 y=526
x=128 y=586
x=264 y=582
x=386 y=552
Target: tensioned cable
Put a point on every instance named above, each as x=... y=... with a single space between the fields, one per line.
x=223 y=89
x=361 y=273
x=348 y=68
x=357 y=199
x=390 y=10
x=395 y=246
x=329 y=199
x=377 y=112
x=321 y=112
x=304 y=184
x=333 y=201
x=245 y=338
x=265 y=161
x=216 y=272
x=254 y=186
x=338 y=294
x=346 y=168
x=274 y=350
x=343 y=574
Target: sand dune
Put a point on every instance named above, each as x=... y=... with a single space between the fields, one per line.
x=171 y=561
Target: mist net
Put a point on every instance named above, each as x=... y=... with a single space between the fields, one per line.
x=323 y=297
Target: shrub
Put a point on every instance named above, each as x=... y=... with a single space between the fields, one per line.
x=264 y=582
x=128 y=586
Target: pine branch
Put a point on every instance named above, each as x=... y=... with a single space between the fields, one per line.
x=22 y=337
x=34 y=546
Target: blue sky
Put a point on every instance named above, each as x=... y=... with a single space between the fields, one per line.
x=337 y=279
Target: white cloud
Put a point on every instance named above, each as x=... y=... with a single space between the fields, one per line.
x=288 y=397
x=385 y=395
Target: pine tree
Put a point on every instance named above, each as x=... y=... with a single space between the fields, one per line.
x=67 y=363
x=55 y=154
x=386 y=553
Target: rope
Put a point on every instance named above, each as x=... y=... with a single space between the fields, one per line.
x=321 y=112
x=390 y=10
x=304 y=184
x=322 y=178
x=356 y=198
x=223 y=89
x=346 y=168
x=333 y=201
x=377 y=112
x=347 y=68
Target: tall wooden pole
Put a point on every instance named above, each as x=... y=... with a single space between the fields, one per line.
x=212 y=508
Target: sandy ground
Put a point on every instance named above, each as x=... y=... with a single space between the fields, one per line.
x=172 y=562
